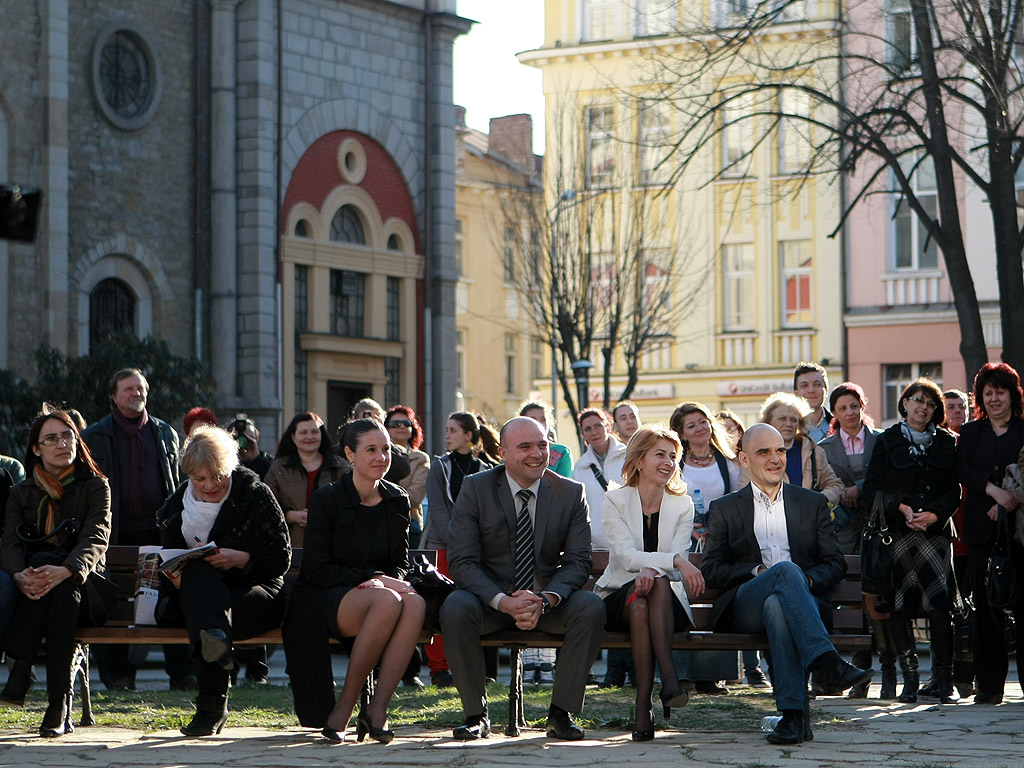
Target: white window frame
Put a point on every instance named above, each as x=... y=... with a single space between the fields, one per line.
x=510 y=364
x=899 y=34
x=460 y=360
x=908 y=232
x=655 y=17
x=739 y=300
x=654 y=140
x=460 y=247
x=600 y=20
x=803 y=271
x=601 y=144
x=794 y=133
x=738 y=136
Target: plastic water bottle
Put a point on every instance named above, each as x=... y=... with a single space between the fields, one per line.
x=700 y=516
x=700 y=519
x=768 y=723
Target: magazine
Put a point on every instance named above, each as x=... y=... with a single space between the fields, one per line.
x=174 y=560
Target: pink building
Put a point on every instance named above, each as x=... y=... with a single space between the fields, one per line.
x=900 y=321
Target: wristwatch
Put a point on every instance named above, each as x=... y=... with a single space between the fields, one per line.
x=545 y=605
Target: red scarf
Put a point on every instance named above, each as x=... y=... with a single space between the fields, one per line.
x=54 y=488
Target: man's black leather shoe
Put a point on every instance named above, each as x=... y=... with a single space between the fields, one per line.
x=839 y=674
x=790 y=729
x=475 y=727
x=561 y=726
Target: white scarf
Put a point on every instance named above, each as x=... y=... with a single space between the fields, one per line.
x=198 y=517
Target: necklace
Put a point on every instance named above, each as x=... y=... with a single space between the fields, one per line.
x=700 y=461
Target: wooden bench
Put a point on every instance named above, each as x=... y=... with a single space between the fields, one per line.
x=849 y=628
x=849 y=632
x=120 y=629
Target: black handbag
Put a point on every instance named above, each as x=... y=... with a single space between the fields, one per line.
x=433 y=586
x=58 y=542
x=1002 y=582
x=876 y=552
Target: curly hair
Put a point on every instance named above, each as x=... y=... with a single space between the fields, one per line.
x=788 y=400
x=998 y=376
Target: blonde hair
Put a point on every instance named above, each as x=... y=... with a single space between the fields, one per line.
x=788 y=400
x=639 y=444
x=211 y=448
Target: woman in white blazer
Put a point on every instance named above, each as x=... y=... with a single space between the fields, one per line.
x=648 y=523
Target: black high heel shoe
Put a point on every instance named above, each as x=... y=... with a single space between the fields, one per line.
x=332 y=735
x=675 y=699
x=364 y=727
x=57 y=720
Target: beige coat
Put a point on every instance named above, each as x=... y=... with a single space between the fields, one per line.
x=415 y=483
x=624 y=526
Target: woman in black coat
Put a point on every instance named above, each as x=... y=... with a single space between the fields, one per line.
x=58 y=578
x=986 y=446
x=351 y=587
x=234 y=593
x=911 y=475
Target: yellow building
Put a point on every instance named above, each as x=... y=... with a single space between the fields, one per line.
x=762 y=284
x=497 y=356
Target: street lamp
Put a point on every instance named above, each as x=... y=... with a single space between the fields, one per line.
x=581 y=372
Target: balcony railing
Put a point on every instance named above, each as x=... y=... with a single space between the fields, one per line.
x=916 y=287
x=737 y=348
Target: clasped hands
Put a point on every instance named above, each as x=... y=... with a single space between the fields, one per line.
x=525 y=607
x=917 y=521
x=36 y=583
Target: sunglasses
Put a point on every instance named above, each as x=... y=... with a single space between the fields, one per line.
x=394 y=423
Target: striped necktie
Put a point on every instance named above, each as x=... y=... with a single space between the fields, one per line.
x=524 y=542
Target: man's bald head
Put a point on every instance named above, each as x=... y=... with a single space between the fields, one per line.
x=763 y=453
x=524 y=449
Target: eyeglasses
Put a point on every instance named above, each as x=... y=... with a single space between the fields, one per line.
x=399 y=423
x=68 y=438
x=922 y=401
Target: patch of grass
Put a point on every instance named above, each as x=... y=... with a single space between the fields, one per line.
x=271 y=707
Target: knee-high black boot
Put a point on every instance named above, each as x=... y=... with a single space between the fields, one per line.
x=19 y=682
x=942 y=657
x=906 y=651
x=886 y=658
x=212 y=701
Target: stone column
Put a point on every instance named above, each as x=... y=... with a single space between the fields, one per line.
x=223 y=201
x=442 y=277
x=53 y=240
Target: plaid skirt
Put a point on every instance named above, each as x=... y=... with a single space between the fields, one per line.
x=923 y=575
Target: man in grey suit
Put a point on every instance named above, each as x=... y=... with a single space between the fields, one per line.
x=772 y=550
x=519 y=551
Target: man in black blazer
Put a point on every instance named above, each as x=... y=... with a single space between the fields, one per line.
x=483 y=536
x=772 y=550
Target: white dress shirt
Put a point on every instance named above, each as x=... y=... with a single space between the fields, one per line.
x=770 y=527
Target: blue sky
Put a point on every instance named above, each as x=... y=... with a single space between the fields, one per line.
x=489 y=81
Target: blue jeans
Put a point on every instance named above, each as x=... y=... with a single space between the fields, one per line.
x=779 y=603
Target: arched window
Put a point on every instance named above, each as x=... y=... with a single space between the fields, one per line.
x=394 y=244
x=347 y=227
x=301 y=228
x=111 y=310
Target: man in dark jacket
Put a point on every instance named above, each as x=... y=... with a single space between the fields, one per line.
x=139 y=455
x=772 y=551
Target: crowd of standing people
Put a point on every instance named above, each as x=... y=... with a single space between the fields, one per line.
x=514 y=519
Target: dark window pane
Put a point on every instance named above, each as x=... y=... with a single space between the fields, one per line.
x=111 y=310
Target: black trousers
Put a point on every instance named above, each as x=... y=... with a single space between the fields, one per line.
x=54 y=617
x=991 y=655
x=208 y=600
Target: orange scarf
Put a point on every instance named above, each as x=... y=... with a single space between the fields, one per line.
x=54 y=487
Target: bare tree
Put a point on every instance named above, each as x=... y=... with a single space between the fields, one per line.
x=892 y=92
x=602 y=270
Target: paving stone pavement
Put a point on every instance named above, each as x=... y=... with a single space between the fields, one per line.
x=847 y=733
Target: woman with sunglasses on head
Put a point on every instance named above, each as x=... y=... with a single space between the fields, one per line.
x=405 y=431
x=56 y=530
x=911 y=477
x=987 y=445
x=304 y=462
